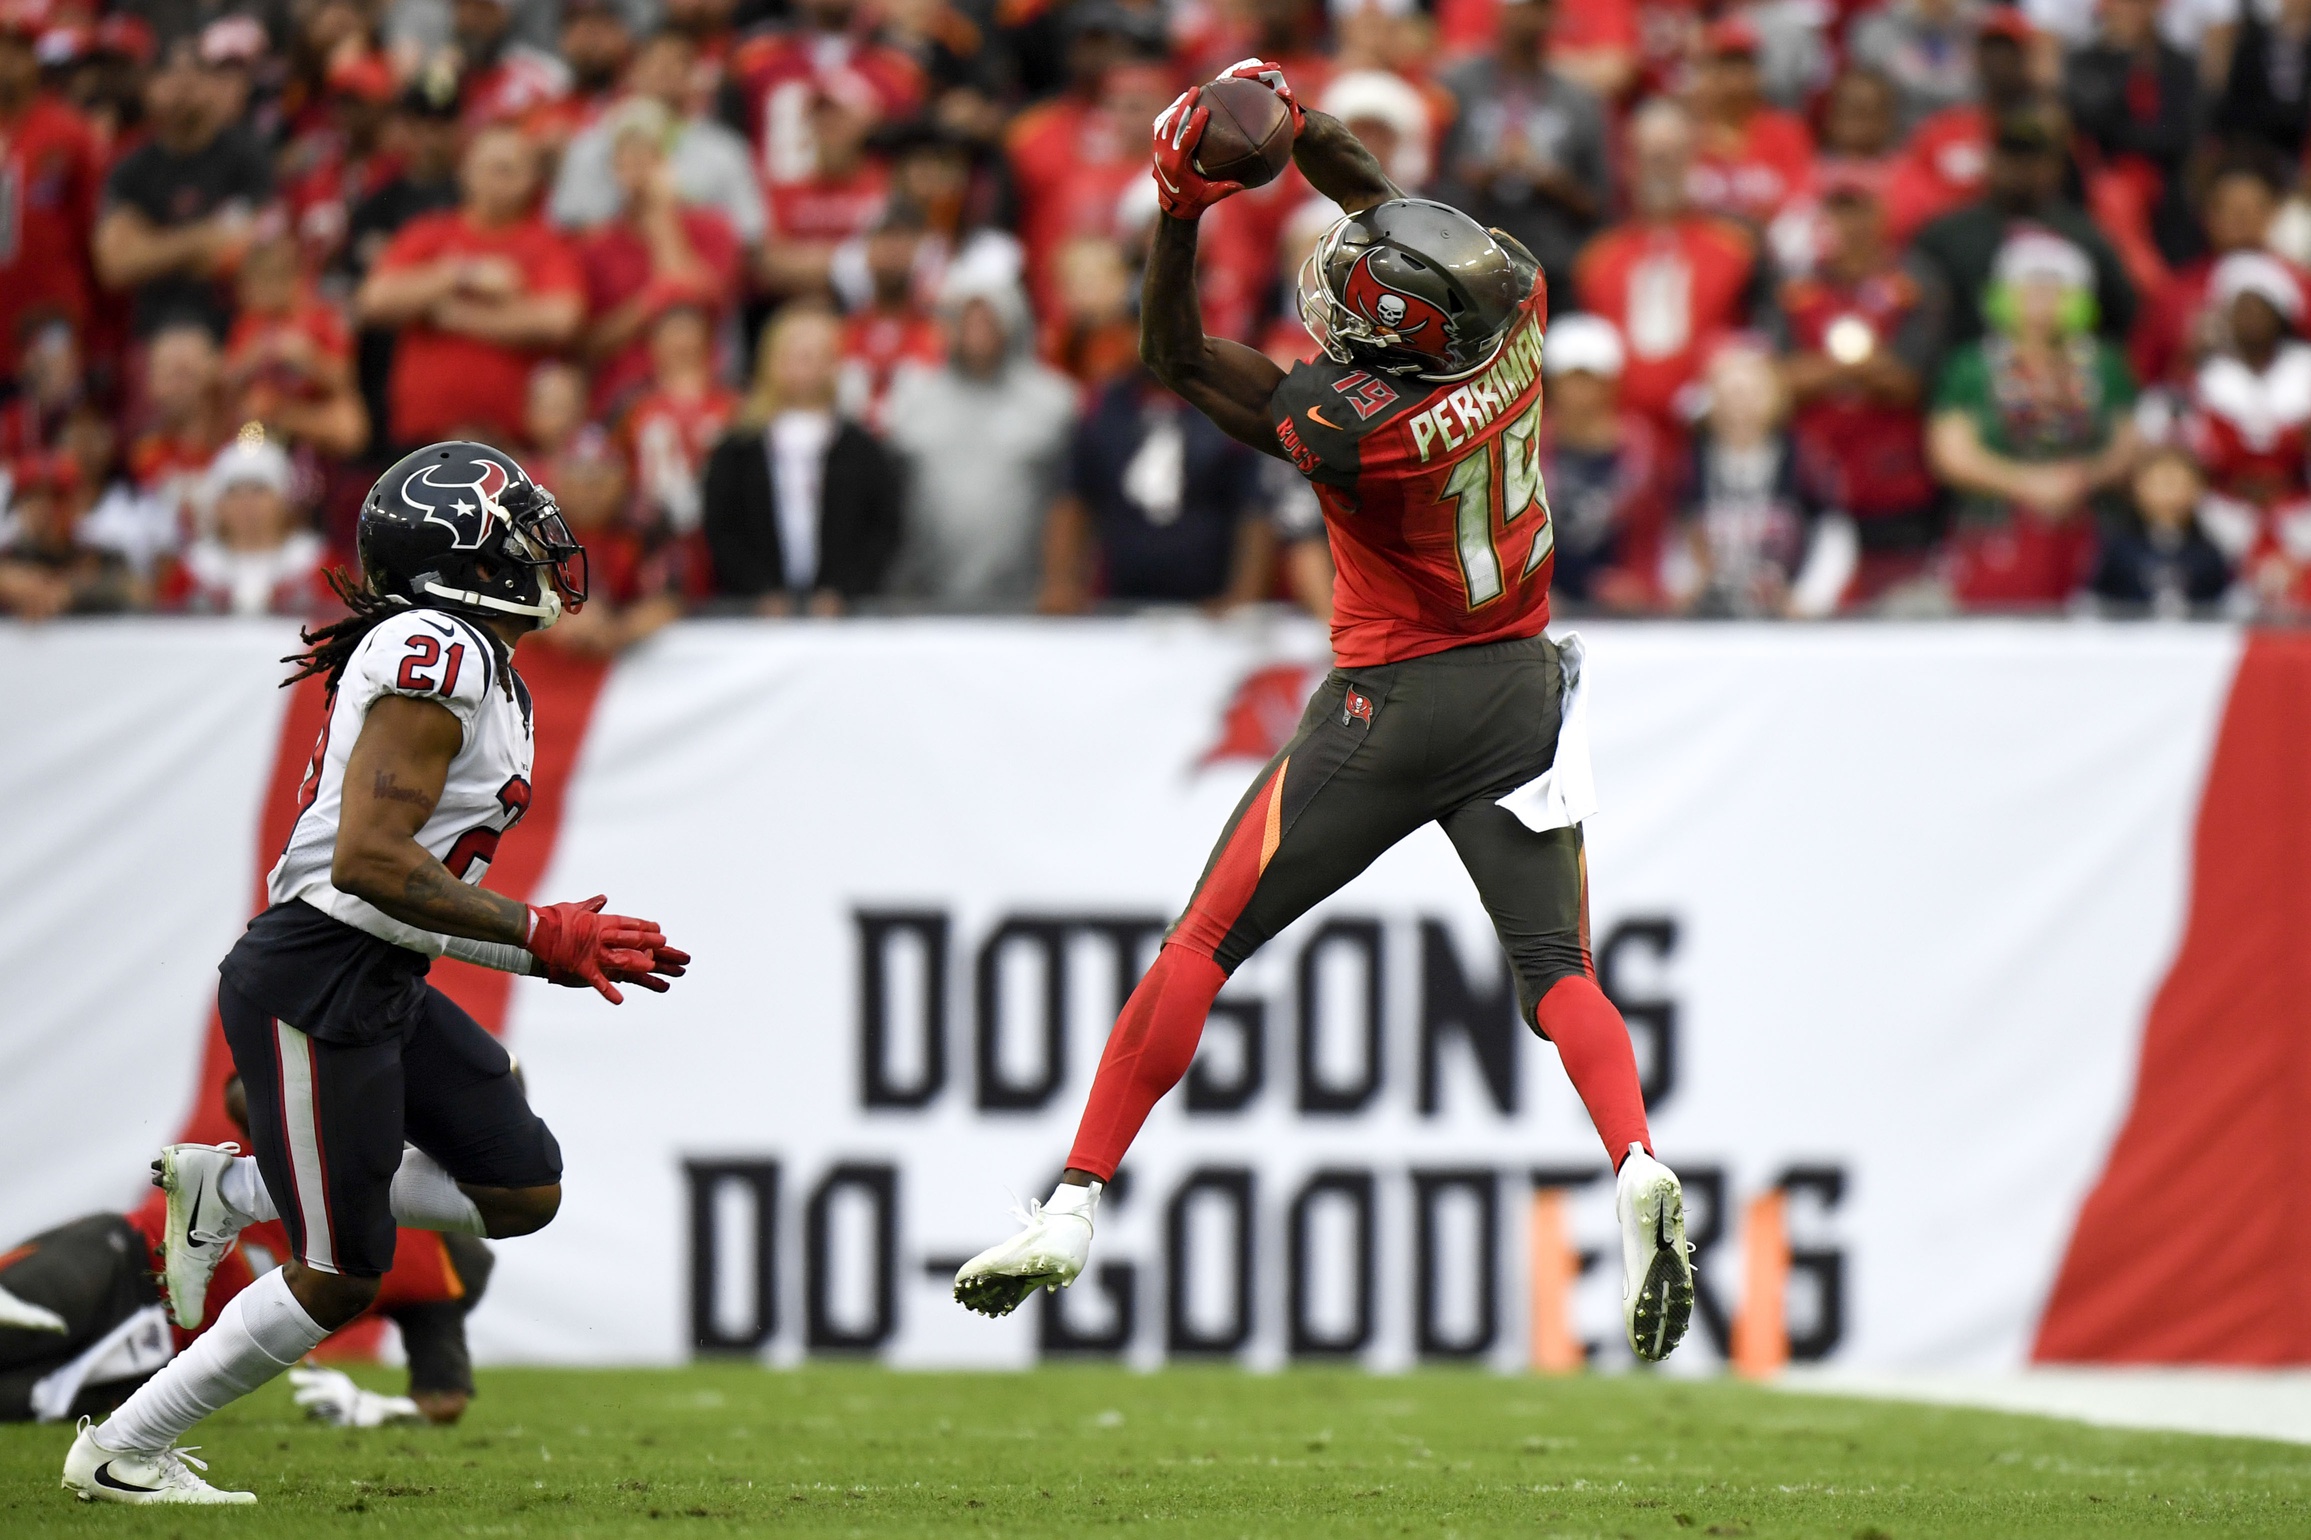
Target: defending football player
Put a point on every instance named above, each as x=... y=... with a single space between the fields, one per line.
x=346 y=1050
x=1447 y=704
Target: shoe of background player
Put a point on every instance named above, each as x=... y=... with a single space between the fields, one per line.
x=1047 y=1254
x=202 y=1226
x=331 y=1396
x=23 y=1315
x=95 y=1474
x=1656 y=1259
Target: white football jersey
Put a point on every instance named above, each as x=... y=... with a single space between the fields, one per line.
x=427 y=655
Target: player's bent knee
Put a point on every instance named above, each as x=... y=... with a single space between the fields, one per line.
x=331 y=1299
x=511 y=1211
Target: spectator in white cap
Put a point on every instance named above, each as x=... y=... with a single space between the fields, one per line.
x=2250 y=419
x=2030 y=422
x=1390 y=118
x=254 y=555
x=1607 y=471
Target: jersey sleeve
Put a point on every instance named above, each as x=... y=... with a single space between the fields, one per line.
x=425 y=655
x=1312 y=423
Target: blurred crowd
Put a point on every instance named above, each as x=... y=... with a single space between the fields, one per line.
x=1906 y=307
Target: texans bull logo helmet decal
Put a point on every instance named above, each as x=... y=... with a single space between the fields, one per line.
x=1412 y=319
x=463 y=501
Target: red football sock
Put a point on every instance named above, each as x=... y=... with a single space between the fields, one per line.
x=1593 y=1041
x=1152 y=1044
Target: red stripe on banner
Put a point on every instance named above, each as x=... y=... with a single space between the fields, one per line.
x=2193 y=1247
x=563 y=690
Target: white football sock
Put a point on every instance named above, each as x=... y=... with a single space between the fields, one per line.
x=243 y=1187
x=425 y=1197
x=261 y=1331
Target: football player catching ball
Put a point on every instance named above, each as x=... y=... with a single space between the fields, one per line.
x=1447 y=704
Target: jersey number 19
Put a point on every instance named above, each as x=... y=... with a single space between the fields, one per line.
x=1476 y=488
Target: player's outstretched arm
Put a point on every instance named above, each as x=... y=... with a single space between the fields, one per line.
x=1226 y=381
x=1337 y=164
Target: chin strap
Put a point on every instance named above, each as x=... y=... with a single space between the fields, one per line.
x=545 y=612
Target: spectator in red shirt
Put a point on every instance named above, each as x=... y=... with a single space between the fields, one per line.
x=1749 y=158
x=50 y=162
x=1071 y=156
x=628 y=596
x=828 y=55
x=1670 y=278
x=480 y=294
x=2178 y=327
x=46 y=568
x=254 y=555
x=893 y=326
x=1859 y=338
x=656 y=248
x=1949 y=153
x=187 y=418
x=333 y=164
x=506 y=81
x=843 y=198
x=672 y=428
x=1859 y=145
x=289 y=357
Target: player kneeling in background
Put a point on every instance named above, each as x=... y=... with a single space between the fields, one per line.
x=1448 y=704
x=423 y=765
x=82 y=1323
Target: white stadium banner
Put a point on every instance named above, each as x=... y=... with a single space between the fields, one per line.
x=1886 y=907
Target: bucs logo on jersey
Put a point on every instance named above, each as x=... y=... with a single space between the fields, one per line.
x=462 y=500
x=1412 y=319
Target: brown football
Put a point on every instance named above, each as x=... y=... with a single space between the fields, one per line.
x=1248 y=138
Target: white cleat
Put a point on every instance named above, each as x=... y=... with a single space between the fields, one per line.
x=1048 y=1254
x=1656 y=1259
x=95 y=1474
x=333 y=1397
x=202 y=1226
x=23 y=1315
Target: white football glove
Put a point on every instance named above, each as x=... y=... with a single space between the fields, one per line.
x=330 y=1396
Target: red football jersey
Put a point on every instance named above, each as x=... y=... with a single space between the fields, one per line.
x=1671 y=287
x=1432 y=497
x=782 y=75
x=1751 y=171
x=50 y=170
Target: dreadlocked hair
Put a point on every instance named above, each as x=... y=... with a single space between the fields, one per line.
x=329 y=648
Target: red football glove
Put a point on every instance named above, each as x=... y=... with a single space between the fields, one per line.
x=1271 y=76
x=578 y=946
x=1182 y=190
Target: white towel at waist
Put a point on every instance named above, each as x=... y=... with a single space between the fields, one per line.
x=1564 y=795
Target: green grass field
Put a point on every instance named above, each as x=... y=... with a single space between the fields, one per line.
x=862 y=1451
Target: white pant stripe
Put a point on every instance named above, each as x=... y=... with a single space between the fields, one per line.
x=300 y=1124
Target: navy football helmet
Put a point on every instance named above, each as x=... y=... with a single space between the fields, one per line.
x=462 y=526
x=1414 y=287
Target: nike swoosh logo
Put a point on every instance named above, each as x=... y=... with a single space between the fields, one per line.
x=1316 y=414
x=103 y=1478
x=444 y=630
x=193 y=1219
